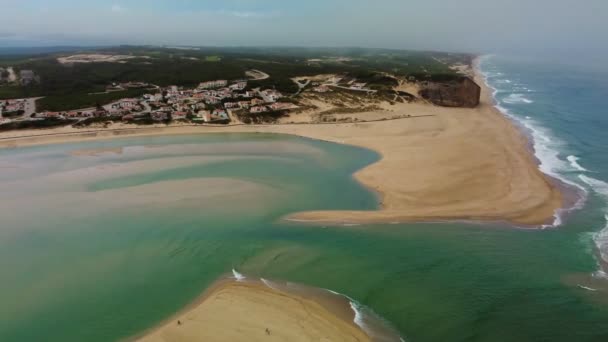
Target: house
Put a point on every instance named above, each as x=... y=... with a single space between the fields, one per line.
x=240 y=85
x=13 y=108
x=212 y=100
x=50 y=115
x=258 y=109
x=222 y=93
x=229 y=105
x=220 y=113
x=270 y=95
x=100 y=113
x=213 y=84
x=72 y=114
x=126 y=104
x=116 y=112
x=321 y=89
x=281 y=106
x=244 y=104
x=202 y=115
x=128 y=117
x=200 y=105
x=247 y=94
x=257 y=102
x=179 y=115
x=159 y=116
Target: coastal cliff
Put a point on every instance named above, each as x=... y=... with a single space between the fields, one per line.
x=463 y=92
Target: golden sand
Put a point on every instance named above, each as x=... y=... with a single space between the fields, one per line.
x=252 y=311
x=438 y=164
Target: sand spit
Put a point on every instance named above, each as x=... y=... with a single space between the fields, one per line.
x=438 y=164
x=259 y=310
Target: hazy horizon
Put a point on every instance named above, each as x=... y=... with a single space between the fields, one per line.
x=562 y=30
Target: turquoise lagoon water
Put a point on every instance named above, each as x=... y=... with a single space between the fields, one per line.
x=101 y=247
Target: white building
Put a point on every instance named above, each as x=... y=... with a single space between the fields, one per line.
x=213 y=84
x=270 y=95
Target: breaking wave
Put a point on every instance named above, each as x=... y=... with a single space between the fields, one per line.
x=238 y=276
x=547 y=150
x=601 y=238
x=517 y=99
x=546 y=147
x=574 y=163
x=365 y=318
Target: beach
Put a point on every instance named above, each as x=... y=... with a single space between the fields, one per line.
x=137 y=228
x=249 y=310
x=439 y=164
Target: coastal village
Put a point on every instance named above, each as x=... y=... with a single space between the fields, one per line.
x=323 y=98
x=218 y=101
x=211 y=102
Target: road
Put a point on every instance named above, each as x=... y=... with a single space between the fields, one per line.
x=257 y=75
x=301 y=87
x=12 y=76
x=30 y=107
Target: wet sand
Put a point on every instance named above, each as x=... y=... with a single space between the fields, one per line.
x=97 y=152
x=439 y=164
x=251 y=310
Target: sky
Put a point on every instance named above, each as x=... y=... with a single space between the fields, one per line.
x=560 y=29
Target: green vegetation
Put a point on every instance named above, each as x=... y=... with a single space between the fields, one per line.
x=12 y=114
x=14 y=92
x=261 y=118
x=80 y=100
x=65 y=86
x=37 y=124
x=213 y=58
x=89 y=121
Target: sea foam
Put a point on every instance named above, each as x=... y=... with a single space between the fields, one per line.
x=517 y=99
x=238 y=276
x=574 y=163
x=546 y=146
x=365 y=318
x=601 y=238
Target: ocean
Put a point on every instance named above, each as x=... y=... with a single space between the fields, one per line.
x=562 y=109
x=102 y=240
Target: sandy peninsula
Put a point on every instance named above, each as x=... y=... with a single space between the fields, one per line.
x=253 y=311
x=437 y=163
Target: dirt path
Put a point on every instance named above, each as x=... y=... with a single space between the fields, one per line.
x=257 y=75
x=12 y=75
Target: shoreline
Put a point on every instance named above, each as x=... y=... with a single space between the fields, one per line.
x=574 y=196
x=284 y=311
x=441 y=164
x=563 y=198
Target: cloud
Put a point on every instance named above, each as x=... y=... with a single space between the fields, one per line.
x=249 y=14
x=118 y=8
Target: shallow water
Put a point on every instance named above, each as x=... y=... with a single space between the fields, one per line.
x=101 y=247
